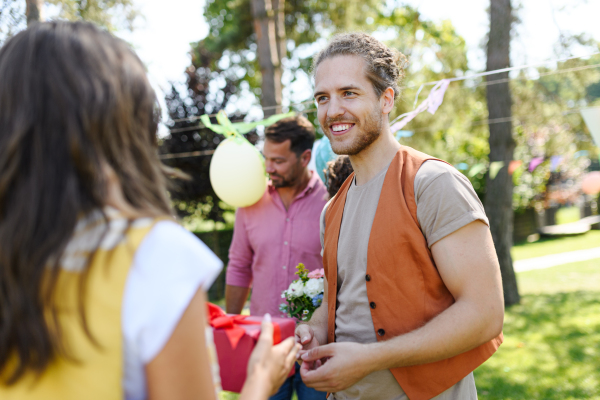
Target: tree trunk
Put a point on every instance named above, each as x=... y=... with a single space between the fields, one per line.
x=279 y=14
x=33 y=11
x=498 y=198
x=268 y=52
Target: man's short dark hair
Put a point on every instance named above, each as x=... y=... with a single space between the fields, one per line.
x=297 y=129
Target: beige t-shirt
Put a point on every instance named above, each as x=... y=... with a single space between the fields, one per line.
x=446 y=202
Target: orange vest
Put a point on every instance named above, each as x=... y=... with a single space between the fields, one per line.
x=401 y=278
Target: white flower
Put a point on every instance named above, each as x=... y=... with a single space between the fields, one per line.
x=314 y=287
x=296 y=289
x=284 y=294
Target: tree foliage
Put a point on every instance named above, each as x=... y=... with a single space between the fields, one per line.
x=109 y=14
x=12 y=18
x=112 y=15
x=231 y=41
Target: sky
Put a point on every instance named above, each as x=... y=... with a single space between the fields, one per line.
x=163 y=36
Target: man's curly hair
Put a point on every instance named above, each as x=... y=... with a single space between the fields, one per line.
x=385 y=66
x=336 y=173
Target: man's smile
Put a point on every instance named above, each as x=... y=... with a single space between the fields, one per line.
x=340 y=128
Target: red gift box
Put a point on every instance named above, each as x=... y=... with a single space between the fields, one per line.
x=235 y=337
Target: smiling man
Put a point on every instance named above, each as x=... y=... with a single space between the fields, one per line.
x=413 y=300
x=274 y=235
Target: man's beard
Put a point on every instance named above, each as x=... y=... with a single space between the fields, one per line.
x=287 y=181
x=370 y=132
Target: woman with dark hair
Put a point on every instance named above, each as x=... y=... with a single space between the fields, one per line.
x=336 y=173
x=102 y=294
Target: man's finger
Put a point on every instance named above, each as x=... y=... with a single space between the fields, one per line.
x=319 y=352
x=305 y=366
x=303 y=334
x=302 y=352
x=312 y=376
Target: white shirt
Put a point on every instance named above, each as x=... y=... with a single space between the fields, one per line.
x=168 y=268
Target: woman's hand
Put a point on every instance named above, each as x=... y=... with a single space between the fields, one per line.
x=269 y=365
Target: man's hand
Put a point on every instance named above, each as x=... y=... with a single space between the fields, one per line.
x=340 y=365
x=305 y=336
x=314 y=333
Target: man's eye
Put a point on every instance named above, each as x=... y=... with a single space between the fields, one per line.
x=321 y=99
x=349 y=93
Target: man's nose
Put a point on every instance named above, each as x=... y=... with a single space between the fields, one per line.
x=269 y=167
x=335 y=108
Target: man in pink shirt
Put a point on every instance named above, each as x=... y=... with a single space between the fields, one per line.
x=280 y=231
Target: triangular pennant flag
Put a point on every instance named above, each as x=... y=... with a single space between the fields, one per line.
x=431 y=104
x=477 y=168
x=591 y=116
x=513 y=166
x=495 y=167
x=555 y=161
x=535 y=162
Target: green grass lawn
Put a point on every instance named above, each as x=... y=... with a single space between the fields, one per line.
x=580 y=276
x=552 y=339
x=568 y=214
x=551 y=350
x=545 y=246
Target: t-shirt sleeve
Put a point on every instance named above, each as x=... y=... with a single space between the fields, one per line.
x=168 y=268
x=446 y=201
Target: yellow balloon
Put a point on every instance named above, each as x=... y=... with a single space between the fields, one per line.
x=237 y=173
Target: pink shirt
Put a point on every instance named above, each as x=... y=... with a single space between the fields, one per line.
x=268 y=243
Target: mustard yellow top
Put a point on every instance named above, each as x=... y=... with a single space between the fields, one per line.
x=97 y=370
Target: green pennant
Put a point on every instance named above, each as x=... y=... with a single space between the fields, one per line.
x=495 y=167
x=236 y=130
x=477 y=168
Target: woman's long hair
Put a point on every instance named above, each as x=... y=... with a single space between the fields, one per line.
x=73 y=100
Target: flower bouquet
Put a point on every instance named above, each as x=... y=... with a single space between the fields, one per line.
x=304 y=295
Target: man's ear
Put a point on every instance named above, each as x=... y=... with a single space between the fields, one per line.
x=305 y=157
x=387 y=100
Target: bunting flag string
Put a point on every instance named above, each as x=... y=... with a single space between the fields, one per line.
x=458 y=78
x=431 y=104
x=513 y=166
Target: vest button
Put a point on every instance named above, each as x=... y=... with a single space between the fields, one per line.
x=381 y=332
x=368 y=277
x=373 y=305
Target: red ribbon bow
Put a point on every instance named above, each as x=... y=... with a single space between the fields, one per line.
x=231 y=324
